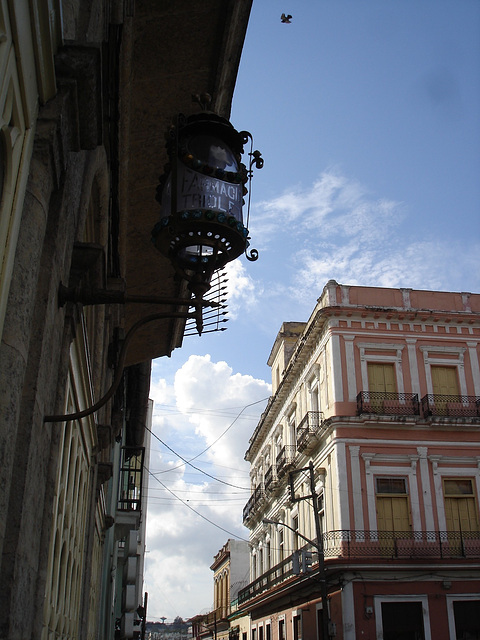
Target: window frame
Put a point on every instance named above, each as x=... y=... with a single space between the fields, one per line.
x=450 y=600
x=423 y=599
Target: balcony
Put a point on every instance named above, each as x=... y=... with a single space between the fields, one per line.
x=254 y=501
x=433 y=545
x=129 y=501
x=248 y=508
x=387 y=403
x=437 y=405
x=309 y=427
x=382 y=546
x=267 y=580
x=216 y=616
x=259 y=493
x=270 y=481
x=285 y=459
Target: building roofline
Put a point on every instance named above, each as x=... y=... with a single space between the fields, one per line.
x=322 y=312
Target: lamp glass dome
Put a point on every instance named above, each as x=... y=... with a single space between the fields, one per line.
x=211 y=151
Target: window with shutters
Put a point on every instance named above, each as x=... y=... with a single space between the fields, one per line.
x=393 y=513
x=445 y=388
x=461 y=510
x=381 y=381
x=444 y=380
x=321 y=511
x=381 y=377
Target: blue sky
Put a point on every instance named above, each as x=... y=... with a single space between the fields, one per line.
x=367 y=115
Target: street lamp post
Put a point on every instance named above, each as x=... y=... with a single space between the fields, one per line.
x=318 y=546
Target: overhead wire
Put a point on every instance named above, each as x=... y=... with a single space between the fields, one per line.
x=239 y=472
x=200 y=493
x=178 y=498
x=207 y=448
x=229 y=484
x=236 y=536
x=168 y=410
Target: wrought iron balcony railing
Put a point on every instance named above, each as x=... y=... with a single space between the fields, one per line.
x=217 y=615
x=401 y=544
x=248 y=508
x=451 y=406
x=273 y=474
x=131 y=478
x=270 y=478
x=259 y=493
x=254 y=500
x=267 y=580
x=387 y=403
x=375 y=545
x=308 y=428
x=285 y=458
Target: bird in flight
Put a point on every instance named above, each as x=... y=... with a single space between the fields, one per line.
x=286 y=19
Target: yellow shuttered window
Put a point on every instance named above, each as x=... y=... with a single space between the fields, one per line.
x=461 y=510
x=444 y=380
x=381 y=377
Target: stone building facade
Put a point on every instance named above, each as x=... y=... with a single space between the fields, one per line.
x=230 y=574
x=87 y=91
x=365 y=471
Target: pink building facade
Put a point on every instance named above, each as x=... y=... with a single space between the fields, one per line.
x=378 y=394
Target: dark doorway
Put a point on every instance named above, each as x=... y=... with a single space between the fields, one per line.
x=467 y=619
x=402 y=621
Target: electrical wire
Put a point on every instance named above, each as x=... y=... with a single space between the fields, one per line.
x=200 y=493
x=197 y=512
x=207 y=448
x=240 y=472
x=229 y=484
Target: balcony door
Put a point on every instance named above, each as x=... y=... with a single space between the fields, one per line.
x=393 y=511
x=381 y=380
x=444 y=380
x=445 y=385
x=381 y=377
x=461 y=512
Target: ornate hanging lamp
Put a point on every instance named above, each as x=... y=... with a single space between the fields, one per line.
x=201 y=194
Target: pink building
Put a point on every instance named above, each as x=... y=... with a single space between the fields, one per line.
x=369 y=450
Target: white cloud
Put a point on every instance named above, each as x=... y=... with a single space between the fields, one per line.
x=337 y=229
x=419 y=265
x=209 y=398
x=218 y=396
x=243 y=293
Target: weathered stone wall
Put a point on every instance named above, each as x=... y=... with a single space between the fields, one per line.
x=34 y=352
